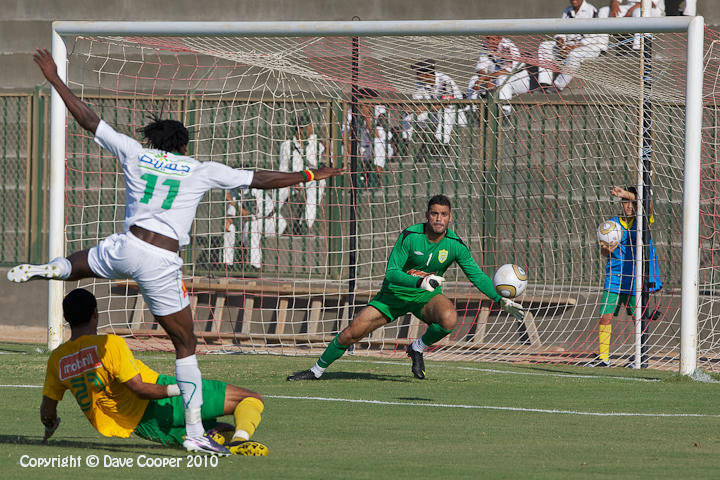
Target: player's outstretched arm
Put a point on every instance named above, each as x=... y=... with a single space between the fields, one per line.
x=475 y=274
x=85 y=117
x=151 y=391
x=266 y=179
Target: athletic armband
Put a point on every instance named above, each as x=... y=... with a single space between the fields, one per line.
x=309 y=175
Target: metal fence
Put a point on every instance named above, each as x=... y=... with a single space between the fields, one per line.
x=529 y=187
x=22 y=143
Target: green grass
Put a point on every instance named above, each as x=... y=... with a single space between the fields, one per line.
x=312 y=438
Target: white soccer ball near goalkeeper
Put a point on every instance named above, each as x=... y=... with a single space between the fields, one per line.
x=609 y=232
x=510 y=280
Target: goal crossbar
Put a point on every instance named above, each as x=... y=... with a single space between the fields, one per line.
x=382 y=27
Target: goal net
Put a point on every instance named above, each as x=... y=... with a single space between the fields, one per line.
x=526 y=134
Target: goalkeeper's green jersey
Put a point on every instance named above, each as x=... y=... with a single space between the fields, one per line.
x=414 y=256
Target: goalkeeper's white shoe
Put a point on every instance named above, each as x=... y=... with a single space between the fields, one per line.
x=23 y=273
x=205 y=444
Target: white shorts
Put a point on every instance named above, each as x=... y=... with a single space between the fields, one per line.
x=157 y=271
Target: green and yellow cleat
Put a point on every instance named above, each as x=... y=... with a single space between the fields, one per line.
x=222 y=433
x=248 y=448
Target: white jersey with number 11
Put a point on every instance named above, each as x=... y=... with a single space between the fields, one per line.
x=163 y=189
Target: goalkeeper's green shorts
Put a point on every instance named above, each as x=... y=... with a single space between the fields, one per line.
x=393 y=305
x=612 y=303
x=164 y=419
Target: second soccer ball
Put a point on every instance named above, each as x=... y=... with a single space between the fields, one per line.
x=609 y=232
x=510 y=280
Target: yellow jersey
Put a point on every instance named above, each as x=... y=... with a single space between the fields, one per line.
x=94 y=368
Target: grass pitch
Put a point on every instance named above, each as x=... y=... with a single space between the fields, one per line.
x=370 y=419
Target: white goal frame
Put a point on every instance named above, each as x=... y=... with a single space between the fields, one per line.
x=692 y=26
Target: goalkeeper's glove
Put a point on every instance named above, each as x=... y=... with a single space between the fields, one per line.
x=430 y=283
x=513 y=308
x=50 y=430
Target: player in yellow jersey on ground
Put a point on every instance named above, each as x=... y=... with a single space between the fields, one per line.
x=163 y=188
x=120 y=395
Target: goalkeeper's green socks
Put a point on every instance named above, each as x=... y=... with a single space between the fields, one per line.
x=247 y=417
x=333 y=351
x=434 y=333
x=336 y=350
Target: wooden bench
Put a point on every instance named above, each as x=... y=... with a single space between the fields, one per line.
x=318 y=298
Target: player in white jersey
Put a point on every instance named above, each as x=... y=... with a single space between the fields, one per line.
x=163 y=189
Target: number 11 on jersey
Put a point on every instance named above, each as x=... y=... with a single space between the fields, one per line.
x=173 y=188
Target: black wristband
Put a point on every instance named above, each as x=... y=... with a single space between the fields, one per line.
x=419 y=282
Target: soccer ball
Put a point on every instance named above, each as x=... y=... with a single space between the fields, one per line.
x=510 y=280
x=609 y=232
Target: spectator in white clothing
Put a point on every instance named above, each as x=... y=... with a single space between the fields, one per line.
x=499 y=69
x=374 y=137
x=231 y=211
x=568 y=49
x=434 y=85
x=630 y=8
x=303 y=151
x=266 y=220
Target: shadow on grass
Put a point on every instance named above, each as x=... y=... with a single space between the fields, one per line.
x=13 y=350
x=365 y=376
x=590 y=372
x=129 y=447
x=415 y=399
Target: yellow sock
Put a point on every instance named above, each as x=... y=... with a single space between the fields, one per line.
x=604 y=333
x=247 y=417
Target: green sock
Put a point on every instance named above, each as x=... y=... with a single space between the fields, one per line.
x=434 y=333
x=333 y=351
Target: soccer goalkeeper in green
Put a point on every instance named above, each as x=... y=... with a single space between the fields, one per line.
x=413 y=283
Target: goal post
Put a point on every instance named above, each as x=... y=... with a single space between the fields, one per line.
x=56 y=230
x=691 y=197
x=331 y=80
